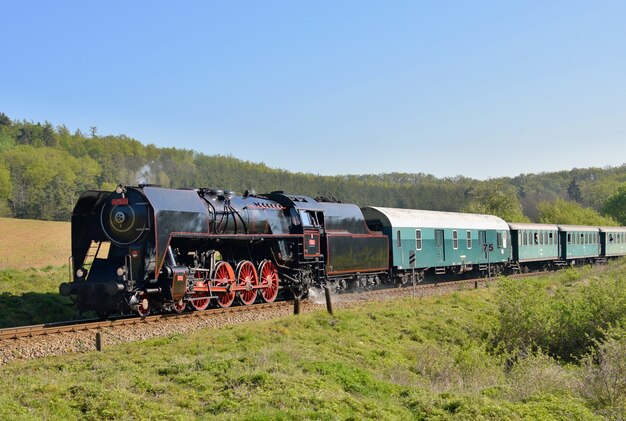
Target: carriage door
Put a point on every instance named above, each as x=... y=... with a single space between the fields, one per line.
x=439 y=246
x=482 y=240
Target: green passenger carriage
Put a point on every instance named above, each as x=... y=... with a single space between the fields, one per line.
x=613 y=241
x=441 y=242
x=535 y=242
x=579 y=242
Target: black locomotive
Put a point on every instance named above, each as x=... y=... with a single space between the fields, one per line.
x=149 y=248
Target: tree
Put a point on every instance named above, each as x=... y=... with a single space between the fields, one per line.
x=570 y=213
x=4 y=120
x=46 y=181
x=615 y=205
x=5 y=189
x=493 y=197
x=573 y=191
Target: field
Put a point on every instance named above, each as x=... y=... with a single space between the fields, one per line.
x=33 y=262
x=549 y=348
x=28 y=243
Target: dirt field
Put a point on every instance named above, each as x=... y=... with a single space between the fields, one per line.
x=26 y=243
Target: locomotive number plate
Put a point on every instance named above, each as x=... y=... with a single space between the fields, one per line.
x=119 y=202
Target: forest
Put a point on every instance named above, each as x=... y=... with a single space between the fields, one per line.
x=44 y=168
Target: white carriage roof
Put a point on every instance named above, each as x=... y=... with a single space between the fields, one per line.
x=529 y=226
x=612 y=229
x=578 y=228
x=411 y=218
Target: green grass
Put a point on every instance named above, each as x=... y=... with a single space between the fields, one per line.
x=31 y=296
x=431 y=358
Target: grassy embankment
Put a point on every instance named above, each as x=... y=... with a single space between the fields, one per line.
x=33 y=262
x=537 y=349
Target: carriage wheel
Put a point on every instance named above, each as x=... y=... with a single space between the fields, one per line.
x=225 y=273
x=143 y=307
x=269 y=277
x=179 y=306
x=247 y=277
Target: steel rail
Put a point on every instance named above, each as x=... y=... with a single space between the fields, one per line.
x=93 y=324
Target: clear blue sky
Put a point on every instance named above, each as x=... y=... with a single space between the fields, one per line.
x=474 y=88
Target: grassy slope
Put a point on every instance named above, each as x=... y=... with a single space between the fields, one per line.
x=27 y=243
x=415 y=359
x=32 y=259
x=31 y=296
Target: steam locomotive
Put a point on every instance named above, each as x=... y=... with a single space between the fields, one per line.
x=148 y=248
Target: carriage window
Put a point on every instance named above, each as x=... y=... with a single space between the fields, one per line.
x=418 y=239
x=582 y=238
x=525 y=238
x=455 y=239
x=550 y=238
x=499 y=239
x=541 y=238
x=399 y=239
x=535 y=238
x=469 y=239
x=504 y=238
x=569 y=238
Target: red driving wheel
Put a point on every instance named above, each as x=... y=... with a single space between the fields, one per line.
x=247 y=278
x=225 y=277
x=269 y=281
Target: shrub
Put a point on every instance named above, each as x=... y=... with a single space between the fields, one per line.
x=603 y=374
x=563 y=320
x=536 y=374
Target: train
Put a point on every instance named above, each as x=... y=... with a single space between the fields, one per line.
x=147 y=249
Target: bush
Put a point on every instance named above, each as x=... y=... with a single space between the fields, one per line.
x=536 y=374
x=603 y=375
x=562 y=320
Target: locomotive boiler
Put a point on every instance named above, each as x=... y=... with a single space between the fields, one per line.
x=149 y=248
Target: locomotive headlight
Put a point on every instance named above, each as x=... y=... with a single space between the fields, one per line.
x=121 y=271
x=80 y=273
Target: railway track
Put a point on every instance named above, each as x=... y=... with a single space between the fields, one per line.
x=97 y=324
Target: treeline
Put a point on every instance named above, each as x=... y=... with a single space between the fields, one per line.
x=44 y=168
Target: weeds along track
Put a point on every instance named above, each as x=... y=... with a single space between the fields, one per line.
x=30 y=342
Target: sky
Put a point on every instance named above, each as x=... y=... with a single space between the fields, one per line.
x=476 y=88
